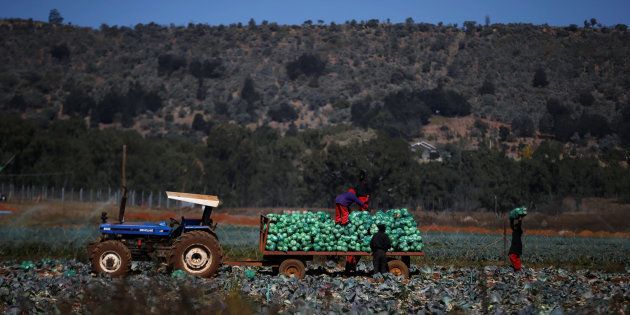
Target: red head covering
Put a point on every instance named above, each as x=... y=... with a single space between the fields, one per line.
x=352 y=190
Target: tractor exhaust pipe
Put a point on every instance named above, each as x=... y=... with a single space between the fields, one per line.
x=123 y=184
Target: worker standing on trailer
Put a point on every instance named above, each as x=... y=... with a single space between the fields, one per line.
x=516 y=247
x=342 y=212
x=343 y=203
x=363 y=189
x=380 y=244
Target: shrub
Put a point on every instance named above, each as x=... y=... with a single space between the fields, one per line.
x=207 y=69
x=595 y=124
x=60 y=52
x=523 y=126
x=487 y=87
x=556 y=108
x=540 y=78
x=168 y=63
x=199 y=123
x=78 y=102
x=282 y=113
x=307 y=64
x=249 y=93
x=586 y=98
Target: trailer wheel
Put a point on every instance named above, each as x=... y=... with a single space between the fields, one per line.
x=110 y=257
x=398 y=268
x=197 y=253
x=293 y=267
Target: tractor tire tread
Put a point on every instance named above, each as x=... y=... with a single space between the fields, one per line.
x=215 y=248
x=117 y=246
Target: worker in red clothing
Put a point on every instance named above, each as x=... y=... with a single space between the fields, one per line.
x=343 y=203
x=516 y=247
x=342 y=211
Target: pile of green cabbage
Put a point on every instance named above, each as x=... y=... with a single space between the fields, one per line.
x=317 y=231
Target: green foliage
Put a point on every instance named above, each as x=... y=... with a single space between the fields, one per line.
x=249 y=93
x=117 y=107
x=54 y=17
x=586 y=98
x=306 y=64
x=282 y=113
x=523 y=126
x=263 y=168
x=60 y=52
x=593 y=124
x=405 y=111
x=200 y=124
x=540 y=78
x=169 y=63
x=78 y=103
x=487 y=87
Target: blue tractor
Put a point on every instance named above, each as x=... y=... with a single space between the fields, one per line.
x=190 y=245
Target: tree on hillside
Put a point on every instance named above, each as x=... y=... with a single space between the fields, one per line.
x=523 y=126
x=60 y=52
x=249 y=93
x=282 y=113
x=586 y=98
x=487 y=87
x=78 y=102
x=199 y=124
x=540 y=78
x=54 y=17
x=307 y=64
x=168 y=63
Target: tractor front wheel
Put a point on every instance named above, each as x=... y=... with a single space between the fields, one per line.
x=110 y=257
x=197 y=253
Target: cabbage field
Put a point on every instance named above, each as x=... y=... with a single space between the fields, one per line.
x=45 y=270
x=30 y=242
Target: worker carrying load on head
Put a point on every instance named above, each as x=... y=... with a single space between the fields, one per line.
x=342 y=204
x=380 y=244
x=516 y=248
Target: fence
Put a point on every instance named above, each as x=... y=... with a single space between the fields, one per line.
x=24 y=193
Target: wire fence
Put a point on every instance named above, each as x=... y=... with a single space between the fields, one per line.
x=26 y=193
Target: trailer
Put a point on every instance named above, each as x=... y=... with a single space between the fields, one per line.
x=293 y=263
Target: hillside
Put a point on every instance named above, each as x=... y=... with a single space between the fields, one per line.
x=169 y=81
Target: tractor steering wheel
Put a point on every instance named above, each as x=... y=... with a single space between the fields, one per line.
x=174 y=222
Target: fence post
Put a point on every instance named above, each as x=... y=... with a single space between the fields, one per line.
x=151 y=200
x=142 y=198
x=63 y=194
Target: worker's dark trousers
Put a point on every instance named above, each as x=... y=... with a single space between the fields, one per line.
x=379 y=260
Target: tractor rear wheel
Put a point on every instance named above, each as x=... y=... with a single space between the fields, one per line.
x=398 y=268
x=110 y=257
x=292 y=267
x=197 y=253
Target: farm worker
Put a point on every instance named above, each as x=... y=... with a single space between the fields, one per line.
x=342 y=211
x=342 y=204
x=363 y=190
x=516 y=247
x=379 y=244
